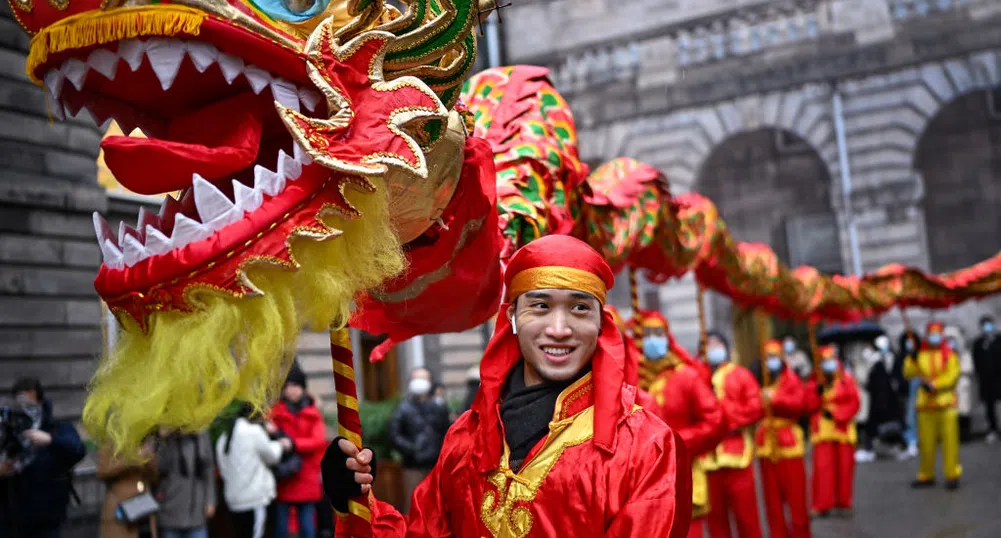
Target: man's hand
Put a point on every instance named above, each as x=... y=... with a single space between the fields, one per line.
x=767 y=394
x=270 y=428
x=7 y=468
x=209 y=511
x=286 y=444
x=347 y=472
x=38 y=438
x=828 y=415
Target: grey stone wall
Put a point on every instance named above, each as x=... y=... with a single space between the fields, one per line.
x=49 y=312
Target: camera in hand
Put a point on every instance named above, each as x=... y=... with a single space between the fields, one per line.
x=13 y=423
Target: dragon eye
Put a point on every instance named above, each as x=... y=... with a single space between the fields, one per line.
x=292 y=10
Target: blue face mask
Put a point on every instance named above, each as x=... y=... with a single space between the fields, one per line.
x=829 y=366
x=655 y=347
x=988 y=328
x=934 y=339
x=909 y=345
x=789 y=347
x=716 y=356
x=774 y=364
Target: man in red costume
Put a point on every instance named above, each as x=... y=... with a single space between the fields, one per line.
x=834 y=402
x=685 y=400
x=731 y=475
x=554 y=443
x=632 y=356
x=780 y=447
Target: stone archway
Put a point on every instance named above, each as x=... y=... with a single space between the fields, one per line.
x=772 y=187
x=959 y=158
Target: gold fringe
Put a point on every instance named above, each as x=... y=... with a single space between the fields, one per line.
x=99 y=27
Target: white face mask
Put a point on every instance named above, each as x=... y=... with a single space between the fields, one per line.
x=419 y=386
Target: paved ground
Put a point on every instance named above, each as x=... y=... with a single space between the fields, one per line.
x=886 y=507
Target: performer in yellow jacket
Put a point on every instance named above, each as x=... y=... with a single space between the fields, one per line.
x=937 y=366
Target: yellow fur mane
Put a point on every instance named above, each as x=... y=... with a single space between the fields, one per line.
x=189 y=366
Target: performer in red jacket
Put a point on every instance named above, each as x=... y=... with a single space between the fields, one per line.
x=780 y=447
x=834 y=402
x=687 y=404
x=554 y=444
x=297 y=416
x=731 y=475
x=633 y=356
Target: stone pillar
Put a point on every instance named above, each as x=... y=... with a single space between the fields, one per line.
x=50 y=315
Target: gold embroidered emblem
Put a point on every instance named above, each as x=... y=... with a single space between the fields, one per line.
x=24 y=5
x=506 y=511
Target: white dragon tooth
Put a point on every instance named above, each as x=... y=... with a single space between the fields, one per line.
x=288 y=166
x=112 y=256
x=202 y=54
x=133 y=251
x=54 y=82
x=131 y=50
x=310 y=98
x=126 y=230
x=285 y=93
x=209 y=200
x=75 y=71
x=187 y=231
x=247 y=199
x=230 y=65
x=165 y=55
x=257 y=77
x=147 y=218
x=268 y=182
x=156 y=242
x=104 y=62
x=300 y=154
x=103 y=230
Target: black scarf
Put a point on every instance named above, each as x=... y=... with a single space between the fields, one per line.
x=527 y=411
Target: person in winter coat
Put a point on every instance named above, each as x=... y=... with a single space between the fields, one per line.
x=417 y=431
x=987 y=362
x=123 y=482
x=885 y=417
x=795 y=358
x=964 y=387
x=186 y=491
x=296 y=414
x=244 y=455
x=33 y=498
x=908 y=347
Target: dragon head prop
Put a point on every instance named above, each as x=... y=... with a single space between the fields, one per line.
x=309 y=141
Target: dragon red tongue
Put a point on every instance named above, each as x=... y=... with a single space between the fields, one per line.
x=216 y=141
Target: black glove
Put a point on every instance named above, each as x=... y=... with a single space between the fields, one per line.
x=828 y=415
x=928 y=387
x=820 y=389
x=339 y=481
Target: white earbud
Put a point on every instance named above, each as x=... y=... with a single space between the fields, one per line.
x=514 y=325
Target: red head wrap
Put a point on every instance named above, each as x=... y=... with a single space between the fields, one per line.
x=632 y=364
x=828 y=352
x=551 y=262
x=935 y=327
x=773 y=347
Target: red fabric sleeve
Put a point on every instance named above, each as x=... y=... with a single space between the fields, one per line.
x=708 y=426
x=789 y=398
x=845 y=404
x=742 y=402
x=660 y=504
x=812 y=400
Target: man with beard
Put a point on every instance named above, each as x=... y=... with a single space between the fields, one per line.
x=554 y=443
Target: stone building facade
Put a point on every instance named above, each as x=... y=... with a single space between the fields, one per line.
x=736 y=99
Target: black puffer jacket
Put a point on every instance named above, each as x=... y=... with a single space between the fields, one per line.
x=417 y=430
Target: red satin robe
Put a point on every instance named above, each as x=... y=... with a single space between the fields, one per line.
x=567 y=486
x=687 y=404
x=833 y=442
x=780 y=448
x=731 y=475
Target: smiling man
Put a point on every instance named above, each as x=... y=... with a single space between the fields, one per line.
x=554 y=443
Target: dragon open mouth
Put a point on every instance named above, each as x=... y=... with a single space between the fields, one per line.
x=213 y=133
